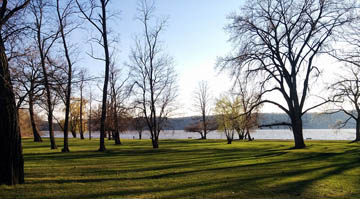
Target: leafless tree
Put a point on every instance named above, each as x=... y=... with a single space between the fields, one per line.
x=249 y=98
x=202 y=101
x=12 y=162
x=197 y=127
x=119 y=93
x=83 y=74
x=97 y=14
x=277 y=42
x=346 y=97
x=65 y=16
x=45 y=35
x=27 y=80
x=153 y=73
x=139 y=124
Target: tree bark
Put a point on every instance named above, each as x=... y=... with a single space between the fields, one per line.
x=37 y=137
x=155 y=142
x=357 y=138
x=229 y=141
x=297 y=128
x=81 y=112
x=47 y=89
x=204 y=124
x=12 y=162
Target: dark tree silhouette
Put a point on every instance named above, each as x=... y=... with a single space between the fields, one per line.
x=65 y=12
x=346 y=97
x=277 y=42
x=45 y=36
x=97 y=15
x=12 y=162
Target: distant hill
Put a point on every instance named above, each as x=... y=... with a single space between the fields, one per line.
x=310 y=120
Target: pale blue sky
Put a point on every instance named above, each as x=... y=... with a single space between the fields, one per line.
x=194 y=37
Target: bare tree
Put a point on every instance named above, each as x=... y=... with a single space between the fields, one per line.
x=249 y=98
x=12 y=162
x=346 y=97
x=202 y=101
x=45 y=36
x=119 y=93
x=97 y=15
x=277 y=42
x=139 y=124
x=27 y=78
x=153 y=73
x=65 y=12
x=82 y=80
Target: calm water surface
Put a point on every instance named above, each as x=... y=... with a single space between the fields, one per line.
x=282 y=134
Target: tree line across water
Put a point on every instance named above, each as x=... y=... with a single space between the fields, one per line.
x=278 y=48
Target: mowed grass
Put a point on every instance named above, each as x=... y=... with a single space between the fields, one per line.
x=189 y=169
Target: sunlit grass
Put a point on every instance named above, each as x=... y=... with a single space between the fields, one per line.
x=190 y=169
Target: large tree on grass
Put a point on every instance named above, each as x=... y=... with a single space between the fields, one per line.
x=12 y=162
x=277 y=41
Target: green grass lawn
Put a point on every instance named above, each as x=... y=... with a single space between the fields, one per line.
x=189 y=169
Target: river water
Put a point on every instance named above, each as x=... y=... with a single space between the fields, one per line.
x=278 y=134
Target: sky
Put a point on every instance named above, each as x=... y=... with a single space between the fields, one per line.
x=194 y=37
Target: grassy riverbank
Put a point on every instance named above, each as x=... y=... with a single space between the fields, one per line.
x=190 y=169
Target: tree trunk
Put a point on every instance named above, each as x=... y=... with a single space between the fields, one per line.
x=357 y=138
x=155 y=143
x=229 y=141
x=48 y=94
x=81 y=113
x=204 y=125
x=12 y=162
x=203 y=136
x=37 y=137
x=248 y=135
x=73 y=131
x=154 y=139
x=140 y=135
x=117 y=138
x=297 y=128
x=106 y=80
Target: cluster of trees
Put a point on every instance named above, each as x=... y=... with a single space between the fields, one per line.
x=236 y=111
x=276 y=43
x=39 y=71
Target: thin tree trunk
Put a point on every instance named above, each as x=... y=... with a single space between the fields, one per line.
x=106 y=80
x=204 y=125
x=90 y=119
x=12 y=162
x=116 y=121
x=37 y=137
x=140 y=135
x=248 y=135
x=48 y=92
x=81 y=112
